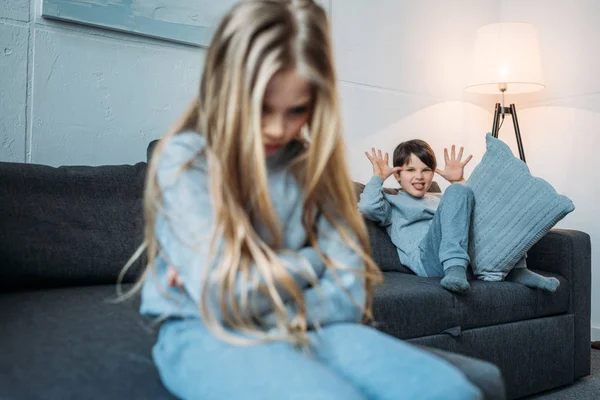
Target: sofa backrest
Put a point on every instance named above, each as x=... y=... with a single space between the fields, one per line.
x=383 y=251
x=72 y=225
x=79 y=225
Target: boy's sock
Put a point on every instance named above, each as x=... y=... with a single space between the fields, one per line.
x=455 y=280
x=533 y=280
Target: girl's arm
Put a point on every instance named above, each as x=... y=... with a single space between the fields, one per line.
x=340 y=296
x=373 y=205
x=183 y=226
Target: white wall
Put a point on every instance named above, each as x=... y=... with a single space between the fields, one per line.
x=13 y=79
x=403 y=66
x=75 y=95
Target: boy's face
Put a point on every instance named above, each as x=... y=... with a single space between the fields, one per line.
x=415 y=177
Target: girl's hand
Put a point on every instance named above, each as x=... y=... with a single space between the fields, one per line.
x=173 y=277
x=380 y=164
x=455 y=167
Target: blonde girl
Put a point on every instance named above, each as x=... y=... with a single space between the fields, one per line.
x=249 y=206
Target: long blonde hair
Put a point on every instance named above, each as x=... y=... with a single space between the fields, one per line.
x=255 y=40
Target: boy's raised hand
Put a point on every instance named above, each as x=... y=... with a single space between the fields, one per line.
x=455 y=167
x=381 y=166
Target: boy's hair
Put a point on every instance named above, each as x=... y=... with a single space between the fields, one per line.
x=253 y=42
x=417 y=147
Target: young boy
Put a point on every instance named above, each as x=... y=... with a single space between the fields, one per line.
x=430 y=231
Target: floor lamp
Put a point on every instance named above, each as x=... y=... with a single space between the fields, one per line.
x=506 y=59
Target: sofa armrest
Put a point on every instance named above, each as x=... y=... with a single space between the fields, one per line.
x=564 y=252
x=568 y=253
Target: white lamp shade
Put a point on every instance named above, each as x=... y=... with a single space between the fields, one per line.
x=508 y=53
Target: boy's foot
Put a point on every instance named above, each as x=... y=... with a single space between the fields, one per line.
x=455 y=280
x=533 y=280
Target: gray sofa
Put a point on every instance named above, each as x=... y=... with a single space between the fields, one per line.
x=66 y=232
x=539 y=340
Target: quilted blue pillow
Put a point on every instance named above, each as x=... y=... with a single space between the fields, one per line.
x=513 y=210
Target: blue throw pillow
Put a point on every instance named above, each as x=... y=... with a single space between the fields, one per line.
x=513 y=210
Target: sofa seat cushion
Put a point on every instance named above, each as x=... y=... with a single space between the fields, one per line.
x=408 y=306
x=413 y=306
x=493 y=303
x=74 y=344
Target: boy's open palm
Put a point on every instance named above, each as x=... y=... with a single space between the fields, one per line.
x=381 y=166
x=455 y=167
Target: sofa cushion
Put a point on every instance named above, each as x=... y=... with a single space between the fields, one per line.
x=68 y=225
x=413 y=306
x=513 y=210
x=72 y=343
x=408 y=306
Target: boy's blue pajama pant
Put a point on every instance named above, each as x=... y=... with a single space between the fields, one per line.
x=447 y=241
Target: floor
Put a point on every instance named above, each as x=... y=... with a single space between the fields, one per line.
x=583 y=389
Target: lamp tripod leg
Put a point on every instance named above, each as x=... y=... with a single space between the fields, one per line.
x=496 y=126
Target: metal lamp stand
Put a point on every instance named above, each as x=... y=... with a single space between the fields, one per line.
x=499 y=113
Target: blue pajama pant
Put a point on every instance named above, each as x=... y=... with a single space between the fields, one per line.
x=347 y=361
x=447 y=241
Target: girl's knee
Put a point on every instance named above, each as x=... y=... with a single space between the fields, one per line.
x=327 y=392
x=357 y=333
x=453 y=382
x=464 y=390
